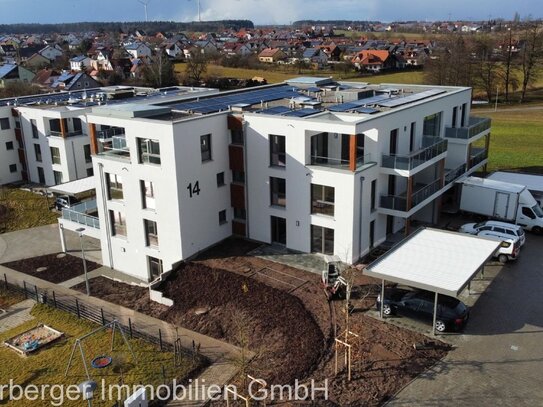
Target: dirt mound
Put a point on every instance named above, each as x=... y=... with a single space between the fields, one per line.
x=286 y=338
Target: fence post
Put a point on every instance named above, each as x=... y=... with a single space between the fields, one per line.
x=36 y=290
x=54 y=300
x=130 y=327
x=160 y=338
x=6 y=280
x=77 y=308
x=102 y=314
x=163 y=372
x=24 y=289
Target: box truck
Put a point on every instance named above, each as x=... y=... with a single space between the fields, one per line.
x=502 y=201
x=533 y=182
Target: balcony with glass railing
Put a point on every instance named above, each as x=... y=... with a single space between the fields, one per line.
x=74 y=133
x=421 y=192
x=361 y=161
x=476 y=126
x=83 y=213
x=477 y=156
x=432 y=147
x=112 y=142
x=455 y=173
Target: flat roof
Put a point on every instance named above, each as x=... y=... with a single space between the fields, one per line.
x=75 y=187
x=493 y=184
x=531 y=181
x=434 y=260
x=130 y=110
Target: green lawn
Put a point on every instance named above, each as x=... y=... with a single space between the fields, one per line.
x=24 y=210
x=516 y=140
x=48 y=365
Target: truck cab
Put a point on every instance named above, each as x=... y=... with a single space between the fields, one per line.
x=530 y=217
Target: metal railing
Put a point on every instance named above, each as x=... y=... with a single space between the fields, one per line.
x=394 y=202
x=408 y=162
x=400 y=202
x=453 y=174
x=109 y=133
x=67 y=134
x=476 y=126
x=425 y=192
x=478 y=155
x=340 y=163
x=116 y=147
x=79 y=214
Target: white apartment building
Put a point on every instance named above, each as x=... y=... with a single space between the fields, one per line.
x=313 y=165
x=10 y=168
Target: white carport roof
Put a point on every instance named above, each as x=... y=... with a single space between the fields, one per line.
x=74 y=187
x=435 y=260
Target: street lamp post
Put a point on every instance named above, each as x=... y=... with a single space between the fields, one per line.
x=87 y=389
x=80 y=231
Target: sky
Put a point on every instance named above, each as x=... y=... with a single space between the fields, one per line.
x=262 y=11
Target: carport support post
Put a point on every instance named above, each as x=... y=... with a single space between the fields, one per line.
x=382 y=298
x=435 y=315
x=62 y=238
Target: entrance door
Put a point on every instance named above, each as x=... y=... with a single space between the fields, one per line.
x=501 y=205
x=41 y=175
x=278 y=230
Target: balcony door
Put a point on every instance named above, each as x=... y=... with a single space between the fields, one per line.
x=393 y=148
x=322 y=240
x=278 y=230
x=319 y=148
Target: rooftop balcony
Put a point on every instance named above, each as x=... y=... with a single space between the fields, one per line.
x=112 y=143
x=476 y=126
x=432 y=147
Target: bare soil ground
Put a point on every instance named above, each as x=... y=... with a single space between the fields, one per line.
x=56 y=267
x=288 y=322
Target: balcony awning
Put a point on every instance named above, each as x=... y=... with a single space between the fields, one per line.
x=74 y=187
x=434 y=260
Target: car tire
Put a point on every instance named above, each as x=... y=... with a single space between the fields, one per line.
x=440 y=326
x=537 y=230
x=387 y=310
x=502 y=258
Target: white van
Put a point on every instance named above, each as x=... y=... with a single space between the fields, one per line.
x=513 y=231
x=509 y=247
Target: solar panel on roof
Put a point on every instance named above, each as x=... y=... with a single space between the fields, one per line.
x=275 y=110
x=411 y=98
x=367 y=110
x=343 y=107
x=301 y=112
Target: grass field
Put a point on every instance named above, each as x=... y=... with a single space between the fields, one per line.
x=23 y=209
x=282 y=74
x=8 y=298
x=47 y=366
x=516 y=140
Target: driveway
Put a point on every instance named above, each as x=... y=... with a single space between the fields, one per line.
x=498 y=360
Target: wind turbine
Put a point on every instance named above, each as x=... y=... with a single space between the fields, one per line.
x=145 y=3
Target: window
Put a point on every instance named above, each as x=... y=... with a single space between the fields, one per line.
x=237 y=137
x=322 y=240
x=17 y=124
x=37 y=152
x=528 y=213
x=148 y=194
x=205 y=147
x=240 y=213
x=87 y=151
x=35 y=133
x=149 y=151
x=432 y=125
x=9 y=145
x=58 y=177
x=372 y=234
x=151 y=232
x=55 y=155
x=13 y=168
x=464 y=112
x=454 y=114
x=322 y=199
x=118 y=223
x=412 y=136
x=278 y=230
x=393 y=147
x=277 y=151
x=238 y=176
x=220 y=179
x=278 y=191
x=114 y=186
x=155 y=267
x=77 y=125
x=4 y=123
x=373 y=193
x=41 y=175
x=222 y=217
x=90 y=172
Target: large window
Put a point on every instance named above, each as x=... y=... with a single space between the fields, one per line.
x=322 y=199
x=322 y=240
x=13 y=168
x=35 y=133
x=87 y=152
x=278 y=230
x=55 y=155
x=222 y=217
x=37 y=152
x=155 y=267
x=278 y=187
x=432 y=125
x=114 y=186
x=41 y=175
x=277 y=151
x=9 y=145
x=151 y=232
x=237 y=137
x=118 y=223
x=4 y=123
x=148 y=151
x=205 y=147
x=373 y=194
x=58 y=177
x=148 y=195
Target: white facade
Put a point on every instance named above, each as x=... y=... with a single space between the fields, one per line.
x=10 y=167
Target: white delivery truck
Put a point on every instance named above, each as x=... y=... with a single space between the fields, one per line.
x=533 y=182
x=503 y=201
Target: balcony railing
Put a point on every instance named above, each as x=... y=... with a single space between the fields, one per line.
x=109 y=133
x=477 y=156
x=339 y=163
x=115 y=146
x=476 y=126
x=453 y=174
x=67 y=134
x=80 y=214
x=400 y=202
x=408 y=162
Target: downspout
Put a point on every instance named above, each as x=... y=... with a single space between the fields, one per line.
x=106 y=213
x=246 y=179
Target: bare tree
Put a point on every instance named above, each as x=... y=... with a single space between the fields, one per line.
x=507 y=55
x=488 y=70
x=159 y=72
x=196 y=68
x=531 y=55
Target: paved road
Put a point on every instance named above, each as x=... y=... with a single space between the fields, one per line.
x=504 y=110
x=499 y=358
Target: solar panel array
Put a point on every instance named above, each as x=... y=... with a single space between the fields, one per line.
x=220 y=103
x=398 y=101
x=301 y=112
